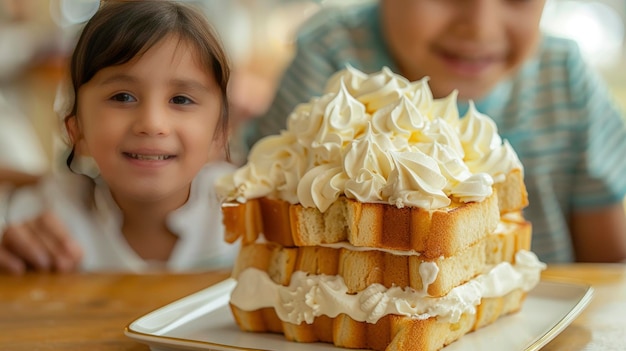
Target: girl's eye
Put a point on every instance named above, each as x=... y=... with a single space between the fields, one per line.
x=181 y=100
x=123 y=97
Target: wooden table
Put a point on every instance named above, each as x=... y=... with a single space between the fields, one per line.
x=85 y=312
x=90 y=311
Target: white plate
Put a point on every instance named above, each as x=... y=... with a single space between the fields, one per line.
x=202 y=321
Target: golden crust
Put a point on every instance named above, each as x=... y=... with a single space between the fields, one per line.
x=242 y=221
x=360 y=269
x=276 y=224
x=430 y=233
x=433 y=234
x=390 y=333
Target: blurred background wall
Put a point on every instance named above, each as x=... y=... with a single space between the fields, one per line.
x=36 y=37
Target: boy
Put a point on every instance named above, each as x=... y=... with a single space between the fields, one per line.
x=553 y=110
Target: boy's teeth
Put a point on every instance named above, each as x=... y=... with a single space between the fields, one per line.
x=150 y=157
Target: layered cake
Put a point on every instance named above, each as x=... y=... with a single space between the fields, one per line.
x=379 y=219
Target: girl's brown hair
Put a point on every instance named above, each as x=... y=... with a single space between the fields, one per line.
x=123 y=29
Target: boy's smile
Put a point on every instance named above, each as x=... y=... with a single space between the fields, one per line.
x=468 y=45
x=468 y=64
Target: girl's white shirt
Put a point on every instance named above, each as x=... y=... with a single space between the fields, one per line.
x=20 y=147
x=97 y=227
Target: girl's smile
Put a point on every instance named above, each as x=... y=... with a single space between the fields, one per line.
x=143 y=157
x=149 y=159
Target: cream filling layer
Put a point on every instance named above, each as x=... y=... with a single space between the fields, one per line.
x=310 y=296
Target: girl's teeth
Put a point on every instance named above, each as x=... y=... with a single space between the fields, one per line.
x=150 y=157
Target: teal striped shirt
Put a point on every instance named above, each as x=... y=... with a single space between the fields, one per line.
x=556 y=113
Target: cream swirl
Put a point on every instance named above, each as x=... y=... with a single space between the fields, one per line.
x=321 y=186
x=367 y=165
x=381 y=89
x=450 y=164
x=229 y=190
x=415 y=181
x=275 y=166
x=438 y=131
x=420 y=95
x=475 y=188
x=370 y=151
x=305 y=121
x=299 y=303
x=479 y=134
x=461 y=183
x=374 y=302
x=352 y=78
x=366 y=186
x=344 y=119
x=498 y=163
x=446 y=109
x=484 y=149
x=401 y=119
x=279 y=161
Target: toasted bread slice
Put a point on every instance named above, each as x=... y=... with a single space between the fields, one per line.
x=242 y=221
x=361 y=268
x=442 y=232
x=512 y=194
x=390 y=333
x=501 y=245
x=432 y=234
x=272 y=258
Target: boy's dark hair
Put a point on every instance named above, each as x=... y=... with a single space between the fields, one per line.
x=123 y=29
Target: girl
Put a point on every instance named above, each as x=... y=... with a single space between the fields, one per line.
x=149 y=80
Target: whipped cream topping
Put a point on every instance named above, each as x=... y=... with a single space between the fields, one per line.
x=376 y=138
x=310 y=296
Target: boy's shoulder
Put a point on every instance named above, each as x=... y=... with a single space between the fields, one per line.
x=555 y=50
x=556 y=59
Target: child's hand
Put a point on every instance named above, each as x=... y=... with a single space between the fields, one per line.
x=42 y=244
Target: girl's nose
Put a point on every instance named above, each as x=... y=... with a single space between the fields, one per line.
x=152 y=120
